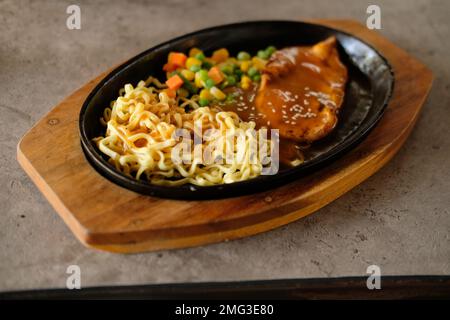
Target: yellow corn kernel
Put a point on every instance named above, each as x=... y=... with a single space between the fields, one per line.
x=198 y=82
x=188 y=74
x=191 y=61
x=194 y=51
x=258 y=63
x=217 y=93
x=245 y=82
x=220 y=55
x=205 y=94
x=245 y=65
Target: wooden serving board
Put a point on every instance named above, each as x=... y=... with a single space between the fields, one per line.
x=108 y=217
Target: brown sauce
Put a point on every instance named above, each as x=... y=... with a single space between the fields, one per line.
x=300 y=95
x=244 y=106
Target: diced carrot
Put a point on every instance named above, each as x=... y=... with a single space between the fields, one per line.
x=171 y=93
x=177 y=59
x=215 y=74
x=220 y=55
x=168 y=67
x=174 y=82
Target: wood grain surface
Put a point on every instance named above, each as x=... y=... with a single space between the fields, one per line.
x=108 y=217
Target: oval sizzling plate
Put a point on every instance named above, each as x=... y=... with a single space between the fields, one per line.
x=368 y=90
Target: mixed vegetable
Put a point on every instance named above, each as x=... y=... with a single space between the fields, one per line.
x=209 y=76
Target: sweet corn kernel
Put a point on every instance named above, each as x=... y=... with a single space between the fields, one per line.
x=245 y=82
x=217 y=93
x=258 y=63
x=191 y=61
x=245 y=65
x=205 y=94
x=198 y=81
x=188 y=74
x=194 y=51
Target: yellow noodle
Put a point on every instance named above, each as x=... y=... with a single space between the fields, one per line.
x=139 y=139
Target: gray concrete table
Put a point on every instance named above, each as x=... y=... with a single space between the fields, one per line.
x=398 y=219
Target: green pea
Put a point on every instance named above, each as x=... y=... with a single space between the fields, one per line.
x=231 y=80
x=200 y=56
x=270 y=50
x=263 y=54
x=209 y=83
x=203 y=102
x=227 y=69
x=195 y=68
x=207 y=65
x=238 y=73
x=243 y=56
x=252 y=71
x=203 y=75
x=256 y=77
x=190 y=87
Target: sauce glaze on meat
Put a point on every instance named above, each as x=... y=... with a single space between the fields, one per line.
x=301 y=92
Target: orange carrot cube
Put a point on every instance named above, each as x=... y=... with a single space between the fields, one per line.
x=168 y=67
x=215 y=74
x=170 y=93
x=178 y=59
x=174 y=82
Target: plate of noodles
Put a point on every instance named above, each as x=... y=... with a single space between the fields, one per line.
x=234 y=109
